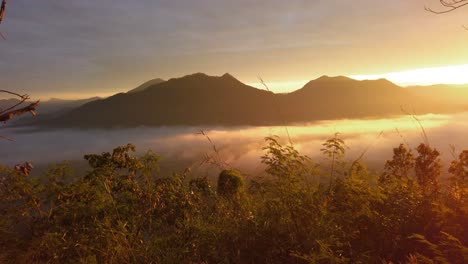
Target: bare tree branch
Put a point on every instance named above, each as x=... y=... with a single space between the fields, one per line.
x=2 y=10
x=449 y=5
x=12 y=111
x=31 y=108
x=2 y=14
x=6 y=138
x=23 y=98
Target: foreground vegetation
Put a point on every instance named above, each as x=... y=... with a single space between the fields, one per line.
x=123 y=211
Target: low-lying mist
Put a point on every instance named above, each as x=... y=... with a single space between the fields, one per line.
x=241 y=147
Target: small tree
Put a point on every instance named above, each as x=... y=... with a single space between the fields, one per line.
x=230 y=184
x=427 y=169
x=458 y=196
x=400 y=165
x=334 y=149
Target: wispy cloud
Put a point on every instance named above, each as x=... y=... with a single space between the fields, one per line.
x=59 y=47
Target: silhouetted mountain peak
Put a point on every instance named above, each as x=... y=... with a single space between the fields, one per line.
x=156 y=81
x=323 y=77
x=379 y=84
x=193 y=78
x=339 y=85
x=197 y=75
x=202 y=78
x=326 y=78
x=326 y=81
x=384 y=81
x=228 y=76
x=147 y=85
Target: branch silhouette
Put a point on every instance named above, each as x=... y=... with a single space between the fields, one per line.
x=449 y=6
x=2 y=14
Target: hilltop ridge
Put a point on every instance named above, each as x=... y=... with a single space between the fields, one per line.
x=200 y=99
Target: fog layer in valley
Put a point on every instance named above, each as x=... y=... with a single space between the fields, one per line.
x=241 y=147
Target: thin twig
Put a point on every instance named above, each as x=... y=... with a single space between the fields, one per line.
x=12 y=111
x=2 y=10
x=6 y=138
x=23 y=98
x=216 y=159
x=278 y=110
x=365 y=150
x=31 y=108
x=13 y=93
x=450 y=5
x=403 y=138
x=2 y=14
x=453 y=151
x=418 y=121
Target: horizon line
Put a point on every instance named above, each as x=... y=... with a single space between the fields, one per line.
x=446 y=75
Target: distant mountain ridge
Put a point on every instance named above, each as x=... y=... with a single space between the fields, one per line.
x=199 y=99
x=47 y=109
x=51 y=105
x=146 y=85
x=343 y=97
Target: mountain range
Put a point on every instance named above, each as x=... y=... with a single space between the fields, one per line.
x=199 y=99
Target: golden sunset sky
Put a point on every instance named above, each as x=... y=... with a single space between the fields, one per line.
x=77 y=49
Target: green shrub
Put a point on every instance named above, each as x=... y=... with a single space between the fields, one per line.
x=124 y=211
x=230 y=184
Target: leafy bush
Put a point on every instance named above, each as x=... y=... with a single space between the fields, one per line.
x=123 y=211
x=230 y=184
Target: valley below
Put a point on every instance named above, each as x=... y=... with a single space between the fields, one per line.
x=240 y=146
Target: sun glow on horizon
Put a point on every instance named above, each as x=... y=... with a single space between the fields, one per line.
x=455 y=75
x=426 y=76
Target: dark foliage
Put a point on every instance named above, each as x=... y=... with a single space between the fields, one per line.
x=123 y=211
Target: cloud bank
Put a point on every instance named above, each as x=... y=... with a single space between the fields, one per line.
x=241 y=147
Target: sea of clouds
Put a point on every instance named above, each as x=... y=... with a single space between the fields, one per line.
x=241 y=147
